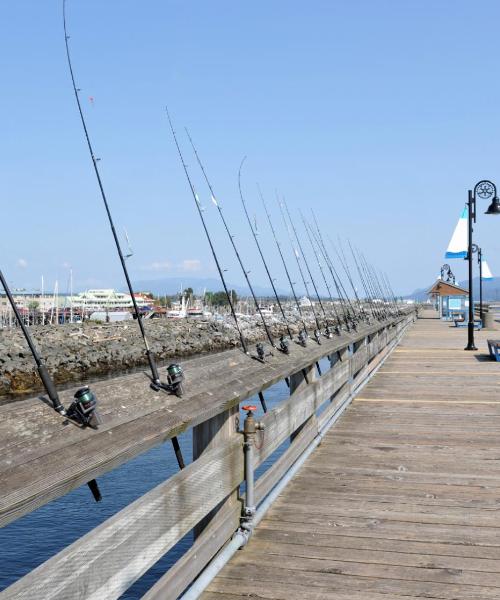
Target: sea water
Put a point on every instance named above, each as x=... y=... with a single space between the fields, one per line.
x=36 y=537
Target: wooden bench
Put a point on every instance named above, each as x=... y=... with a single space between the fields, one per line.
x=494 y=348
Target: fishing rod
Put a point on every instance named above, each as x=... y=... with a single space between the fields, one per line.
x=209 y=239
x=349 y=319
x=283 y=343
x=363 y=283
x=175 y=373
x=361 y=313
x=337 y=326
x=260 y=348
x=83 y=409
x=303 y=335
x=343 y=296
x=376 y=293
x=393 y=295
x=297 y=259
x=389 y=293
x=327 y=328
x=369 y=285
x=343 y=261
x=378 y=288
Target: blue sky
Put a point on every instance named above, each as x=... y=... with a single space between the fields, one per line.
x=380 y=115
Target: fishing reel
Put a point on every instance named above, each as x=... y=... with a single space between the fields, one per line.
x=302 y=338
x=317 y=336
x=83 y=409
x=175 y=377
x=284 y=345
x=261 y=352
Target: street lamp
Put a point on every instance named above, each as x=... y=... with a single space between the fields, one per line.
x=476 y=248
x=485 y=189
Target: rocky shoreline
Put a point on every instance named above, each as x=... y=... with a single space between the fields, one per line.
x=81 y=352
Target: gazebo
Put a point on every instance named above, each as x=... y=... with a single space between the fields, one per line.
x=451 y=299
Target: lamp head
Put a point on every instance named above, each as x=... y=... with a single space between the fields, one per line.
x=494 y=207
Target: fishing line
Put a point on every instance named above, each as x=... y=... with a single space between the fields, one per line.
x=175 y=374
x=283 y=346
x=260 y=356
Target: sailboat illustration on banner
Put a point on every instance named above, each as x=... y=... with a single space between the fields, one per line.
x=457 y=248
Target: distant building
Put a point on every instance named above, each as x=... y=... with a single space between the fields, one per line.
x=108 y=299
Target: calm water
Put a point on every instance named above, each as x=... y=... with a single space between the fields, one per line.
x=36 y=537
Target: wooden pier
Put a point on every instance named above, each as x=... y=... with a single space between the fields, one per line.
x=402 y=498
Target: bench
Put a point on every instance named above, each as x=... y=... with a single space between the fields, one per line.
x=494 y=348
x=463 y=323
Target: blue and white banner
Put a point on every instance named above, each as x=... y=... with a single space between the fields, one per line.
x=486 y=273
x=457 y=248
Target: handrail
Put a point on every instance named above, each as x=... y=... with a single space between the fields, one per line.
x=121 y=549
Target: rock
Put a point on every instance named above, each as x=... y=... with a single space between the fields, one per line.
x=73 y=352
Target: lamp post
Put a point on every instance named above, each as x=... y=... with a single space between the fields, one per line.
x=480 y=261
x=476 y=248
x=485 y=189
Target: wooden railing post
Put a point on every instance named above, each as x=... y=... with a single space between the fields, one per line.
x=207 y=435
x=298 y=382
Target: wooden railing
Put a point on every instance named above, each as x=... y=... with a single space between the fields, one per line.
x=202 y=497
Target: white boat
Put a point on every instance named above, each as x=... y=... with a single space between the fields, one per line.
x=178 y=310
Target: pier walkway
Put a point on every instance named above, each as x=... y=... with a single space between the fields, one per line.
x=402 y=498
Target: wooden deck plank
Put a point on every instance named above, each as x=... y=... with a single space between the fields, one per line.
x=402 y=498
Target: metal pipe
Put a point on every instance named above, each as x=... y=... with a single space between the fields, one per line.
x=241 y=537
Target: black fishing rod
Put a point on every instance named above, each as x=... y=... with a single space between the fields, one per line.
x=311 y=278
x=283 y=344
x=83 y=409
x=260 y=348
x=352 y=309
x=297 y=259
x=393 y=295
x=345 y=265
x=303 y=335
x=389 y=292
x=376 y=293
x=175 y=374
x=209 y=239
x=337 y=326
x=363 y=283
x=349 y=320
x=369 y=285
x=383 y=286
x=378 y=290
x=342 y=294
x=48 y=384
